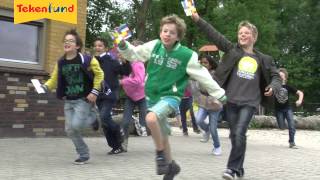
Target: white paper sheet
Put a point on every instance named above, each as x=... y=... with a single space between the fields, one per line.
x=37 y=86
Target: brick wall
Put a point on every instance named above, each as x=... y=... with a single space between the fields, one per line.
x=22 y=111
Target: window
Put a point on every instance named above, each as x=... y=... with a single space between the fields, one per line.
x=20 y=44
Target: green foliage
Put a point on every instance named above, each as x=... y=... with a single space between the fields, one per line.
x=95 y=19
x=299 y=44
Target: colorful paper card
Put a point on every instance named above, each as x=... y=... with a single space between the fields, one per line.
x=121 y=33
x=189 y=7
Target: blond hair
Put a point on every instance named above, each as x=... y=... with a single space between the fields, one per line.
x=250 y=26
x=174 y=19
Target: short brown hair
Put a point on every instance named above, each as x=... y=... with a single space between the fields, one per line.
x=174 y=19
x=103 y=40
x=250 y=26
x=284 y=71
x=74 y=33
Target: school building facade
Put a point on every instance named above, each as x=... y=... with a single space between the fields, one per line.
x=29 y=51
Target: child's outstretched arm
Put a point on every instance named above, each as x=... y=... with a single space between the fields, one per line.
x=212 y=34
x=140 y=53
x=199 y=73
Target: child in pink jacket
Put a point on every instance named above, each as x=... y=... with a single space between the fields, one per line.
x=133 y=86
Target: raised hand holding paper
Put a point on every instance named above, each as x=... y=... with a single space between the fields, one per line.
x=189 y=7
x=37 y=86
x=121 y=33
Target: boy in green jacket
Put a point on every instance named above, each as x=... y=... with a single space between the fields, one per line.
x=169 y=68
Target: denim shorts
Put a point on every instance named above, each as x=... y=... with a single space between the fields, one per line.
x=163 y=108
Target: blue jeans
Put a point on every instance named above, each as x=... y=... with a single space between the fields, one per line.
x=213 y=123
x=239 y=117
x=110 y=128
x=128 y=111
x=287 y=114
x=185 y=105
x=79 y=115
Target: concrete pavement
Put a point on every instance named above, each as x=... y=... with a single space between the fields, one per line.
x=268 y=158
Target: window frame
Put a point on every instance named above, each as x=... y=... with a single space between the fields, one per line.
x=7 y=15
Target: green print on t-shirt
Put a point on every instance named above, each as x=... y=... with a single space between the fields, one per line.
x=74 y=79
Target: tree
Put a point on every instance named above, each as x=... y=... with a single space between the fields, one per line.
x=112 y=13
x=141 y=17
x=299 y=42
x=95 y=18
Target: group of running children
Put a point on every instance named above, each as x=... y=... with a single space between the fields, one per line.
x=243 y=80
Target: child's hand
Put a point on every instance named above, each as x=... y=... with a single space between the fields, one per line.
x=195 y=17
x=122 y=44
x=268 y=91
x=92 y=98
x=45 y=88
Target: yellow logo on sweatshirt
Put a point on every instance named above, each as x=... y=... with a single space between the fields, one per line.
x=60 y=10
x=247 y=67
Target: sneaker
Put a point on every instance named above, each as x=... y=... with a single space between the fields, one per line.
x=174 y=169
x=116 y=151
x=293 y=145
x=197 y=131
x=240 y=173
x=81 y=161
x=144 y=131
x=205 y=137
x=228 y=174
x=185 y=133
x=161 y=165
x=217 y=151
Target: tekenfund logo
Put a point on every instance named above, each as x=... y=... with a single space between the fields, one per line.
x=30 y=10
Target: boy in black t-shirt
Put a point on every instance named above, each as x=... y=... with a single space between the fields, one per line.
x=282 y=106
x=77 y=80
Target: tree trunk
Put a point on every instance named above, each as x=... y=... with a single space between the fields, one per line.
x=141 y=19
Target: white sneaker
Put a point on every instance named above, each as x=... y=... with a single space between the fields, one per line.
x=217 y=151
x=144 y=131
x=205 y=137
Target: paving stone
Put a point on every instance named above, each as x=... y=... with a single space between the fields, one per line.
x=268 y=158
